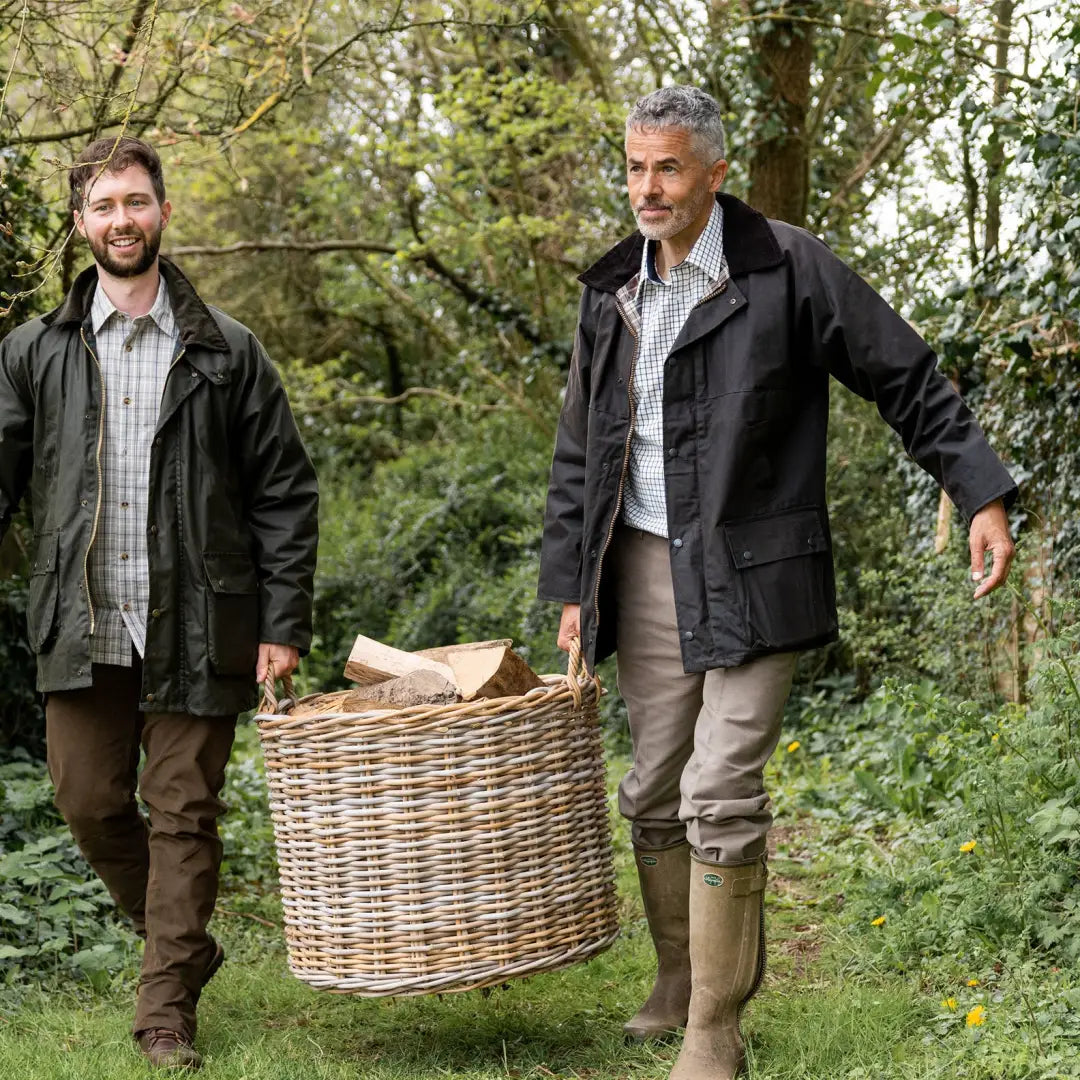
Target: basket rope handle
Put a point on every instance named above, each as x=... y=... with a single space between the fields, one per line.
x=577 y=674
x=270 y=702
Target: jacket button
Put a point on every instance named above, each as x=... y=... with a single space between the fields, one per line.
x=82 y=502
x=747 y=555
x=688 y=635
x=149 y=697
x=672 y=452
x=153 y=530
x=810 y=542
x=157 y=441
x=592 y=555
x=156 y=613
x=733 y=300
x=676 y=543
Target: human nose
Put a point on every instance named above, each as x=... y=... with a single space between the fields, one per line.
x=650 y=182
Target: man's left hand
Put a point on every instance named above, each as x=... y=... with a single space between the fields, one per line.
x=990 y=532
x=285 y=658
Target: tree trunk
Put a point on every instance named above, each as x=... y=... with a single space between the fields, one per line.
x=995 y=158
x=779 y=166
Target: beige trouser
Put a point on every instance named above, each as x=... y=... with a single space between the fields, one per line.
x=701 y=740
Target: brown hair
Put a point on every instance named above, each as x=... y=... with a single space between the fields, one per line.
x=116 y=155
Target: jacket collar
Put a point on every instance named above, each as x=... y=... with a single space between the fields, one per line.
x=193 y=318
x=749 y=244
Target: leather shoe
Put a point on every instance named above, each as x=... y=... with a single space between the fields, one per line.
x=166 y=1049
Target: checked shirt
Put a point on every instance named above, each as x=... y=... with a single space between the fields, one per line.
x=663 y=307
x=135 y=356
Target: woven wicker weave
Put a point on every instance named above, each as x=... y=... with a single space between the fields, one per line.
x=445 y=848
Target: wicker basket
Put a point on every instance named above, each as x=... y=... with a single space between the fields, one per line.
x=442 y=848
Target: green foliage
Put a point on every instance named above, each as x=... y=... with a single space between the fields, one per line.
x=439 y=546
x=959 y=824
x=56 y=918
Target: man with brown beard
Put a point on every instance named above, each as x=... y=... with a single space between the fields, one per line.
x=175 y=526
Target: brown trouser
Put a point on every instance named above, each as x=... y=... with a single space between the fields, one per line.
x=163 y=875
x=700 y=741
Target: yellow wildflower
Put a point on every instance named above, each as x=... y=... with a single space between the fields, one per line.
x=793 y=746
x=879 y=921
x=976 y=1018
x=994 y=737
x=950 y=1004
x=973 y=982
x=969 y=846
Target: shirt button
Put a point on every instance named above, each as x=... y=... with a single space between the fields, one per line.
x=128 y=348
x=126 y=607
x=688 y=635
x=123 y=506
x=676 y=543
x=127 y=401
x=123 y=555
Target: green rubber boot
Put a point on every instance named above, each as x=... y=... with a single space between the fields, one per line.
x=665 y=892
x=727 y=958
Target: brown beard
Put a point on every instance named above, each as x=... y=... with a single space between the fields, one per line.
x=104 y=257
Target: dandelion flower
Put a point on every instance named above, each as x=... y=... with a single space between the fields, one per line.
x=793 y=746
x=976 y=1018
x=950 y=1004
x=973 y=982
x=879 y=921
x=969 y=846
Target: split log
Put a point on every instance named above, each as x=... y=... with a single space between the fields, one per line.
x=373 y=662
x=492 y=672
x=442 y=653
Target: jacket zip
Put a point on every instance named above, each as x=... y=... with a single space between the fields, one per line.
x=97 y=460
x=715 y=291
x=625 y=463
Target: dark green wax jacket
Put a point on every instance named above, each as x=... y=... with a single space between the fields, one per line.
x=233 y=520
x=745 y=410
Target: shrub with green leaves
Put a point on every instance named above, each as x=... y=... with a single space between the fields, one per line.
x=56 y=918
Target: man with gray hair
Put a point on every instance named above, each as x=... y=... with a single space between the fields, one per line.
x=686 y=529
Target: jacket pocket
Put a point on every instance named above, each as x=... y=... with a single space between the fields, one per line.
x=232 y=613
x=784 y=575
x=44 y=593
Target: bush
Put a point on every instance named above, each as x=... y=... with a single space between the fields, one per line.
x=960 y=824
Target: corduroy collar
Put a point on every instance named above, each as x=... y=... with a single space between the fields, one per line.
x=749 y=244
x=197 y=325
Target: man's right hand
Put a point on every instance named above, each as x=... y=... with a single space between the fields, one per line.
x=569 y=625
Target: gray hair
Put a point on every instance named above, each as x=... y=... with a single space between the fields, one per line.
x=684 y=107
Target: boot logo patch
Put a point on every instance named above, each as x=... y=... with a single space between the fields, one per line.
x=713 y=879
x=648 y=860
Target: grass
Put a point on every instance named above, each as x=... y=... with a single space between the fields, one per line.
x=824 y=1013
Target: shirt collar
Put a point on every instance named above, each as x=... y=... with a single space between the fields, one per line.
x=102 y=309
x=707 y=254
